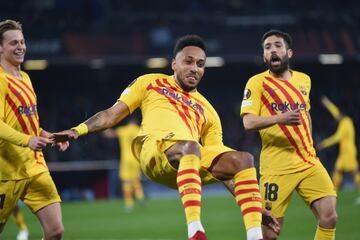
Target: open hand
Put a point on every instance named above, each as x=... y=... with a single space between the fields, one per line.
x=65 y=136
x=270 y=221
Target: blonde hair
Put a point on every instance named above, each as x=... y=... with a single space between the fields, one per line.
x=7 y=25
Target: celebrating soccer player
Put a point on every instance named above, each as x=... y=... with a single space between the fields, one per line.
x=180 y=141
x=129 y=167
x=276 y=102
x=345 y=137
x=23 y=171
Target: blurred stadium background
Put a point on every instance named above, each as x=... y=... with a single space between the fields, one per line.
x=83 y=53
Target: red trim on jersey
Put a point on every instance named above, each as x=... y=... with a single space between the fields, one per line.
x=18 y=115
x=37 y=159
x=188 y=180
x=251 y=210
x=285 y=130
x=246 y=182
x=303 y=101
x=291 y=101
x=249 y=199
x=187 y=171
x=26 y=92
x=192 y=203
x=28 y=97
x=173 y=103
x=23 y=102
x=186 y=98
x=23 y=83
x=248 y=190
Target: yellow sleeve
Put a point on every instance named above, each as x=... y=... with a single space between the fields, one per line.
x=7 y=133
x=251 y=102
x=11 y=135
x=133 y=95
x=335 y=138
x=333 y=109
x=213 y=133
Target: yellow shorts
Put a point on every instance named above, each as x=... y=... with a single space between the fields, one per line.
x=130 y=170
x=346 y=163
x=36 y=192
x=311 y=184
x=156 y=166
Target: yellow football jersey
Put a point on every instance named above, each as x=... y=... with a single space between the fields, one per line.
x=126 y=135
x=285 y=149
x=345 y=136
x=168 y=112
x=18 y=110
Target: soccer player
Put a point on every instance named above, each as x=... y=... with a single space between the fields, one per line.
x=23 y=171
x=180 y=141
x=129 y=167
x=23 y=233
x=345 y=137
x=276 y=102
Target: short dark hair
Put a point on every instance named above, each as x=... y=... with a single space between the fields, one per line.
x=284 y=35
x=189 y=40
x=7 y=25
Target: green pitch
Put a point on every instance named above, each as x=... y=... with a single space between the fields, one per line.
x=163 y=219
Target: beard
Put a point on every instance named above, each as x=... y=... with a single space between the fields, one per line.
x=184 y=86
x=281 y=68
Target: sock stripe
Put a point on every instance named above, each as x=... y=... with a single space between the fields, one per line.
x=192 y=203
x=251 y=210
x=249 y=199
x=246 y=182
x=187 y=181
x=190 y=191
x=194 y=171
x=249 y=190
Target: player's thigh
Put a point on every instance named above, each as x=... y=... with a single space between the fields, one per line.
x=276 y=192
x=316 y=184
x=40 y=192
x=50 y=217
x=155 y=164
x=10 y=193
x=209 y=154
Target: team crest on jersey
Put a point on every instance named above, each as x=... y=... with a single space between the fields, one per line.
x=268 y=206
x=247 y=93
x=303 y=90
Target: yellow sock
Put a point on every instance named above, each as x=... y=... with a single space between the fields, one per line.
x=138 y=189
x=248 y=197
x=324 y=234
x=127 y=194
x=19 y=220
x=189 y=185
x=337 y=179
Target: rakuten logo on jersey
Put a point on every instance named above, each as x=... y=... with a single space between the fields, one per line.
x=285 y=106
x=27 y=110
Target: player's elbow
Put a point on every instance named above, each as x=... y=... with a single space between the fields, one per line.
x=248 y=124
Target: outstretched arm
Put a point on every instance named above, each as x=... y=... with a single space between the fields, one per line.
x=100 y=121
x=330 y=106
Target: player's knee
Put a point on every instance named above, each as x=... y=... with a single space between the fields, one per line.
x=328 y=220
x=190 y=147
x=238 y=161
x=55 y=233
x=242 y=160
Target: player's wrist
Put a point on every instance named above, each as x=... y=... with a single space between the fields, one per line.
x=81 y=129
